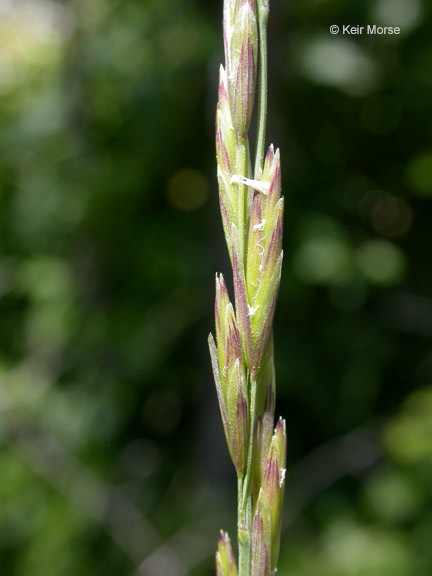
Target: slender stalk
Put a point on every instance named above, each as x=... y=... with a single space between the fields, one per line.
x=263 y=13
x=243 y=221
x=244 y=495
x=247 y=481
x=243 y=534
x=244 y=546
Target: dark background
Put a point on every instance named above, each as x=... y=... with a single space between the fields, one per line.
x=112 y=454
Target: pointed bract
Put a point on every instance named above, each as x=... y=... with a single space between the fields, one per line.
x=219 y=388
x=226 y=158
x=230 y=377
x=264 y=257
x=260 y=565
x=241 y=50
x=225 y=561
x=270 y=498
x=265 y=405
x=243 y=309
x=225 y=135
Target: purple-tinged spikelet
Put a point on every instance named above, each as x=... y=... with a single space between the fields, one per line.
x=264 y=428
x=260 y=565
x=264 y=256
x=230 y=377
x=225 y=561
x=269 y=506
x=241 y=49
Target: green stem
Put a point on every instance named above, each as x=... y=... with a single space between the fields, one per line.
x=263 y=12
x=247 y=481
x=245 y=506
x=243 y=221
x=243 y=535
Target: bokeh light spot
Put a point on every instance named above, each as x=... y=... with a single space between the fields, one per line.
x=355 y=551
x=323 y=255
x=391 y=496
x=320 y=261
x=408 y=437
x=381 y=262
x=419 y=173
x=187 y=190
x=31 y=31
x=339 y=63
x=406 y=14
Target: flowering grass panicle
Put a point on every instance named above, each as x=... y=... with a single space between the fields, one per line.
x=242 y=355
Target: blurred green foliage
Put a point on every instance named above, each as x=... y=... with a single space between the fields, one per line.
x=111 y=450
